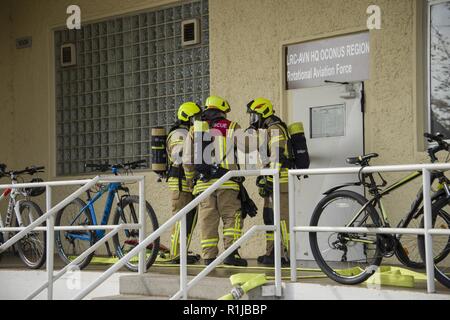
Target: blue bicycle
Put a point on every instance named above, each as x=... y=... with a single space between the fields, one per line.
x=71 y=244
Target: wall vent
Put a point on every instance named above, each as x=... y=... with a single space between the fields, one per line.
x=68 y=55
x=190 y=30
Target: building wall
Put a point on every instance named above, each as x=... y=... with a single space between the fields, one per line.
x=6 y=88
x=245 y=41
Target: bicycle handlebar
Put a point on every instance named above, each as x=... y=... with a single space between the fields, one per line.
x=442 y=145
x=105 y=167
x=28 y=170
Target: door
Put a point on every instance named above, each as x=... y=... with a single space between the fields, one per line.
x=334 y=127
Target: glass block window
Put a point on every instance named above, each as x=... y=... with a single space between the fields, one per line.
x=131 y=75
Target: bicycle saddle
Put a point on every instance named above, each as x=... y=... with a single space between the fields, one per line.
x=362 y=159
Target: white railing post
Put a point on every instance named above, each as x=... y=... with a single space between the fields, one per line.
x=50 y=242
x=277 y=233
x=142 y=221
x=292 y=224
x=429 y=257
x=183 y=258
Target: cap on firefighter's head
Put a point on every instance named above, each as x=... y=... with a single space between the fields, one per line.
x=261 y=106
x=215 y=102
x=188 y=110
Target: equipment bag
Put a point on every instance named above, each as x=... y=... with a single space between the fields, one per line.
x=299 y=147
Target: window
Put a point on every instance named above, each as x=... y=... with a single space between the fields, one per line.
x=439 y=66
x=131 y=74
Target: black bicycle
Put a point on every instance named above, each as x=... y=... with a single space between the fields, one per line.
x=351 y=258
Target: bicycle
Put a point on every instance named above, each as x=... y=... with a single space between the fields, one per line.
x=439 y=208
x=21 y=213
x=71 y=244
x=349 y=258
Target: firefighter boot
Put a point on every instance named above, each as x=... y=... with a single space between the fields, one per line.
x=235 y=259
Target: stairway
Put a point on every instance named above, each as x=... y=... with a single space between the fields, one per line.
x=155 y=286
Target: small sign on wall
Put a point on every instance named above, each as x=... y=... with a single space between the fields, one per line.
x=343 y=59
x=25 y=42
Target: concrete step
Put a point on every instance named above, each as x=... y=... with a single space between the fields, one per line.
x=162 y=285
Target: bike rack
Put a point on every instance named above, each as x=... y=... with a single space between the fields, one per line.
x=427 y=231
x=181 y=215
x=50 y=228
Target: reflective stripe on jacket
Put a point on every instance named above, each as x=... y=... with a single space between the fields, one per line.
x=175 y=146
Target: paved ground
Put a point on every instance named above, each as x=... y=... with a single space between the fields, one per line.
x=16 y=282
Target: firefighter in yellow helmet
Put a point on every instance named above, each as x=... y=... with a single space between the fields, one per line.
x=224 y=203
x=180 y=192
x=275 y=156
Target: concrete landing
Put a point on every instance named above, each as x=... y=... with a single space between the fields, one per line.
x=163 y=285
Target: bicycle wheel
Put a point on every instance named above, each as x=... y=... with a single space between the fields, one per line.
x=441 y=243
x=71 y=244
x=32 y=247
x=345 y=258
x=125 y=240
x=407 y=251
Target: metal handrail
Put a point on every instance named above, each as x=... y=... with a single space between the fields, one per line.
x=220 y=259
x=427 y=231
x=181 y=215
x=80 y=258
x=50 y=228
x=49 y=213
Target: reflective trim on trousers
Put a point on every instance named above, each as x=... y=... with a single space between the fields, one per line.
x=209 y=243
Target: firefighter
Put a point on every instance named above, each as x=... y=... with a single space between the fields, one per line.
x=263 y=119
x=224 y=203
x=180 y=192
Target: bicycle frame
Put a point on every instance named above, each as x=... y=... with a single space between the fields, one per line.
x=376 y=201
x=13 y=208
x=112 y=189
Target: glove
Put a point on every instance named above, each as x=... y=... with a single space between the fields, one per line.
x=265 y=187
x=248 y=207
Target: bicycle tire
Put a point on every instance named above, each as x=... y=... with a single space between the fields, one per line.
x=403 y=256
x=41 y=256
x=439 y=275
x=323 y=265
x=65 y=256
x=154 y=223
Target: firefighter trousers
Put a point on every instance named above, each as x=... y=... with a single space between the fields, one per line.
x=225 y=205
x=181 y=199
x=284 y=222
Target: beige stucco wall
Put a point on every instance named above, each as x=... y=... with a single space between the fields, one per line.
x=6 y=88
x=246 y=63
x=246 y=39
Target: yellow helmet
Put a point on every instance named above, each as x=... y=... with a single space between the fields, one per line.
x=262 y=107
x=215 y=102
x=188 y=110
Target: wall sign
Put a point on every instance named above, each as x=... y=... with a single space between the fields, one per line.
x=23 y=43
x=344 y=59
